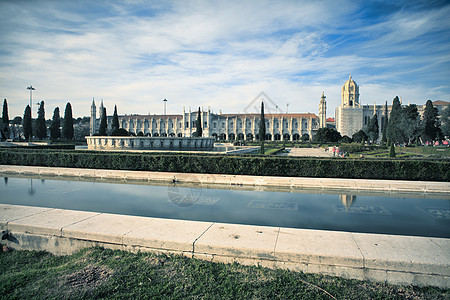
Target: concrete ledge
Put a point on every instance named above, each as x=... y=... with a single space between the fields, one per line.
x=395 y=259
x=396 y=186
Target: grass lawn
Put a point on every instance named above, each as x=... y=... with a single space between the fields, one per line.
x=100 y=273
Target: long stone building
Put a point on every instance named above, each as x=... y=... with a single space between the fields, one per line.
x=279 y=126
x=350 y=117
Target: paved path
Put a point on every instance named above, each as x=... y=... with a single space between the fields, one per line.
x=316 y=152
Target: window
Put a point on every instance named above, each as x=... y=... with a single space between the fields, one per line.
x=214 y=125
x=187 y=124
x=205 y=124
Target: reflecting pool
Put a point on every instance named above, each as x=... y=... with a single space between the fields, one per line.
x=413 y=214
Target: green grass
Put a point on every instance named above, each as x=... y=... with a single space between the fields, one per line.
x=99 y=273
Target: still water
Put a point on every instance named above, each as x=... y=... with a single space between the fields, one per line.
x=371 y=213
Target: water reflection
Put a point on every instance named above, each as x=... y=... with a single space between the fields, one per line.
x=313 y=209
x=183 y=197
x=347 y=200
x=31 y=191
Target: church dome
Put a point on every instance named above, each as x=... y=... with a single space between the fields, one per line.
x=350 y=93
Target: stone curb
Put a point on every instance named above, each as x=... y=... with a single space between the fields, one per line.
x=396 y=186
x=421 y=261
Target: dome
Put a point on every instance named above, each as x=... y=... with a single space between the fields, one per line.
x=350 y=93
x=350 y=85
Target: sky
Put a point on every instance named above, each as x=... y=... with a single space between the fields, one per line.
x=220 y=54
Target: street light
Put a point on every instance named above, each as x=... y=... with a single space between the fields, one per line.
x=165 y=103
x=31 y=88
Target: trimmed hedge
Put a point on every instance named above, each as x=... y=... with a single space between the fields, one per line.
x=396 y=169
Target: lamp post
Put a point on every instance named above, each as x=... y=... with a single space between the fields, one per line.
x=165 y=103
x=31 y=88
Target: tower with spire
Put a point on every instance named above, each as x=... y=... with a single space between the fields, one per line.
x=93 y=121
x=323 y=112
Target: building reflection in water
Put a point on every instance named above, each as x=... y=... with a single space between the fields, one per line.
x=31 y=191
x=347 y=200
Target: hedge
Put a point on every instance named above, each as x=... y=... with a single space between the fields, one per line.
x=394 y=169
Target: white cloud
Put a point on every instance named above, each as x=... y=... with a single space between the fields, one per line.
x=216 y=53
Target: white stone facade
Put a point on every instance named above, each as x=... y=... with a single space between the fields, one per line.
x=351 y=116
x=148 y=143
x=219 y=126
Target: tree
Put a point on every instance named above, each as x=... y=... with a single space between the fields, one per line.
x=27 y=129
x=327 y=135
x=373 y=129
x=103 y=123
x=262 y=128
x=115 y=120
x=445 y=121
x=359 y=136
x=199 y=130
x=5 y=116
x=120 y=132
x=17 y=120
x=410 y=123
x=41 y=128
x=55 y=132
x=394 y=130
x=392 y=150
x=430 y=122
x=385 y=125
x=346 y=139
x=67 y=128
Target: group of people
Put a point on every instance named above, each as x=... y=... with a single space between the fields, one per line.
x=336 y=151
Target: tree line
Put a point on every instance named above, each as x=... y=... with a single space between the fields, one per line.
x=39 y=128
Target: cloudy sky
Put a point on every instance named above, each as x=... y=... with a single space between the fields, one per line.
x=220 y=54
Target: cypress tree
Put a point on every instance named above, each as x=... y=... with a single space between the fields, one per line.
x=27 y=128
x=41 y=128
x=262 y=128
x=394 y=128
x=385 y=124
x=392 y=150
x=373 y=129
x=55 y=132
x=5 y=116
x=67 y=128
x=411 y=122
x=115 y=120
x=431 y=126
x=103 y=123
x=199 y=130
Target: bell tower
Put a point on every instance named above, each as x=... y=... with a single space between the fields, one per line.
x=350 y=94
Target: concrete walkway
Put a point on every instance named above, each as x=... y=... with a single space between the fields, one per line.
x=387 y=258
x=314 y=152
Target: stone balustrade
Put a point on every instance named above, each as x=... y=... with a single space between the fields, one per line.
x=148 y=143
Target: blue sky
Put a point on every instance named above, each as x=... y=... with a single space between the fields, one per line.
x=220 y=54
